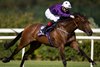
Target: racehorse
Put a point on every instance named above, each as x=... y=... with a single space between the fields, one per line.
x=61 y=36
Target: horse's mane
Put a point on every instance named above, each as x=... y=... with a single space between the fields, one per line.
x=65 y=19
x=75 y=14
x=70 y=19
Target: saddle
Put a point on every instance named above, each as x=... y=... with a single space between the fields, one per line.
x=45 y=31
x=50 y=26
x=47 y=28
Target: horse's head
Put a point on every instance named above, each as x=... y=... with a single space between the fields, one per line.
x=83 y=24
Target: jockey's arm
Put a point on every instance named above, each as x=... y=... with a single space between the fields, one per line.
x=66 y=15
x=61 y=14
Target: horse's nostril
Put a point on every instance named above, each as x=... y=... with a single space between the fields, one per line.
x=90 y=33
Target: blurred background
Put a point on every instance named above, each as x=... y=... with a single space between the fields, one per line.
x=20 y=13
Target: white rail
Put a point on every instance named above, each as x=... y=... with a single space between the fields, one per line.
x=92 y=38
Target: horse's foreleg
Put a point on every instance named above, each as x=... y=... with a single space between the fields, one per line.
x=74 y=45
x=33 y=47
x=84 y=54
x=62 y=54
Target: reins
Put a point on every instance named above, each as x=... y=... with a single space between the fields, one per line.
x=63 y=30
x=66 y=31
x=75 y=23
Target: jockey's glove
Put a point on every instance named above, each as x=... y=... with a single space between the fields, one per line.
x=72 y=16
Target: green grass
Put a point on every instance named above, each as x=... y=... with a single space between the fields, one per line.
x=46 y=64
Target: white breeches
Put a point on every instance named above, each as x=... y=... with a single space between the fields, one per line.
x=50 y=16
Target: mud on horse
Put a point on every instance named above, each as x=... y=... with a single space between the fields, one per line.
x=62 y=35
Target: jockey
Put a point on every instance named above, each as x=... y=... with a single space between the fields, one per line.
x=54 y=13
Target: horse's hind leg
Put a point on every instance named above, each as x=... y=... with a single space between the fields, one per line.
x=8 y=45
x=23 y=42
x=74 y=45
x=33 y=46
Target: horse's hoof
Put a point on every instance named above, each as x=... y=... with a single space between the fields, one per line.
x=5 y=60
x=93 y=63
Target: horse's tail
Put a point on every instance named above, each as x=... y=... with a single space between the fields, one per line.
x=8 y=45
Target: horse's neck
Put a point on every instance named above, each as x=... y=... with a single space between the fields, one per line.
x=69 y=27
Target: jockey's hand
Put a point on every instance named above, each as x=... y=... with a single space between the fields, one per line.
x=72 y=16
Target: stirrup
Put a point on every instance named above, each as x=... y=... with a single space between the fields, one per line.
x=41 y=33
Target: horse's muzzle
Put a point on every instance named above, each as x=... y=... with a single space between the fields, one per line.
x=89 y=33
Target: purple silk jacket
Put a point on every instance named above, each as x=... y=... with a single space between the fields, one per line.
x=56 y=10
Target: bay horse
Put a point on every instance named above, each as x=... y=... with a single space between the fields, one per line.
x=61 y=36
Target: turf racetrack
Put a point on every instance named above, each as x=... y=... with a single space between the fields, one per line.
x=46 y=64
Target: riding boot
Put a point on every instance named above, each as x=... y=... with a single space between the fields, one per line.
x=49 y=28
x=44 y=30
